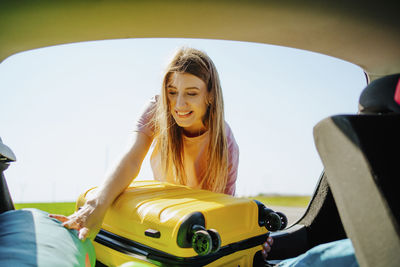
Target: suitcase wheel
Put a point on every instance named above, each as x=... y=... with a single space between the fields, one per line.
x=272 y=220
x=216 y=240
x=202 y=242
x=284 y=220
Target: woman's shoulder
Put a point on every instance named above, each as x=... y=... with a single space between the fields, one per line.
x=228 y=130
x=230 y=137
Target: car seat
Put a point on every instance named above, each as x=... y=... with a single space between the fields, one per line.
x=360 y=156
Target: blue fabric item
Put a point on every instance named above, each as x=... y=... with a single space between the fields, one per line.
x=30 y=238
x=17 y=239
x=337 y=253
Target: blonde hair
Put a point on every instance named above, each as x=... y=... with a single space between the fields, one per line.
x=169 y=135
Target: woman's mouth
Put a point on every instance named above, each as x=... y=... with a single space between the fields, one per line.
x=183 y=114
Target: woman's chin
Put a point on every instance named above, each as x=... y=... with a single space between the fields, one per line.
x=184 y=122
x=184 y=125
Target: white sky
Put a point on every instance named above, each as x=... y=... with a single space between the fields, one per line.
x=67 y=111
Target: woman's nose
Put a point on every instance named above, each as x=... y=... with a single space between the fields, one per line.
x=180 y=101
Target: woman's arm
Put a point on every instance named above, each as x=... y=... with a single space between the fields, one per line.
x=126 y=170
x=87 y=220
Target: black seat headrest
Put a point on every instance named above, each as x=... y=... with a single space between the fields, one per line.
x=381 y=96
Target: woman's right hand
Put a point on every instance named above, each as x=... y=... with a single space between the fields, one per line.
x=87 y=220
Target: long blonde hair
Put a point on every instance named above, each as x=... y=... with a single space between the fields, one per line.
x=169 y=135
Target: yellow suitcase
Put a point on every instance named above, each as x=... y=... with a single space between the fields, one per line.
x=172 y=225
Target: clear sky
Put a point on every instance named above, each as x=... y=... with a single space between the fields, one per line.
x=68 y=111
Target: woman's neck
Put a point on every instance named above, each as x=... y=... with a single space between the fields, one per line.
x=194 y=133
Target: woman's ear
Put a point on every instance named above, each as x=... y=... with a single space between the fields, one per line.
x=210 y=99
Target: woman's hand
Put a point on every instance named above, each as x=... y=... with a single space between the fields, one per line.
x=267 y=247
x=87 y=220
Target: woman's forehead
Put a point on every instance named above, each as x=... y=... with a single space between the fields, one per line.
x=185 y=80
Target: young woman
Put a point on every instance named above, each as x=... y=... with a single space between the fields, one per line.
x=193 y=145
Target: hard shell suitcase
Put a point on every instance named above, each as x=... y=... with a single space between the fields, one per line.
x=173 y=225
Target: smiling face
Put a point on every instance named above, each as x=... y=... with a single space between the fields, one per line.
x=187 y=97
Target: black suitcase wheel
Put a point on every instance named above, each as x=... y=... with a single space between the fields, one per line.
x=216 y=240
x=272 y=220
x=202 y=242
x=284 y=220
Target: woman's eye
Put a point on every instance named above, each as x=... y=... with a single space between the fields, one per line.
x=171 y=93
x=192 y=94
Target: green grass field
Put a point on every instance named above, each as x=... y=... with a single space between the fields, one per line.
x=67 y=208
x=63 y=208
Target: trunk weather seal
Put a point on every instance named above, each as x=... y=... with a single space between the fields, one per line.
x=130 y=247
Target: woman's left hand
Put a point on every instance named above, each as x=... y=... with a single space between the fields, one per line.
x=267 y=247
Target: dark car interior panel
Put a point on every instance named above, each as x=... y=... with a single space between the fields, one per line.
x=320 y=224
